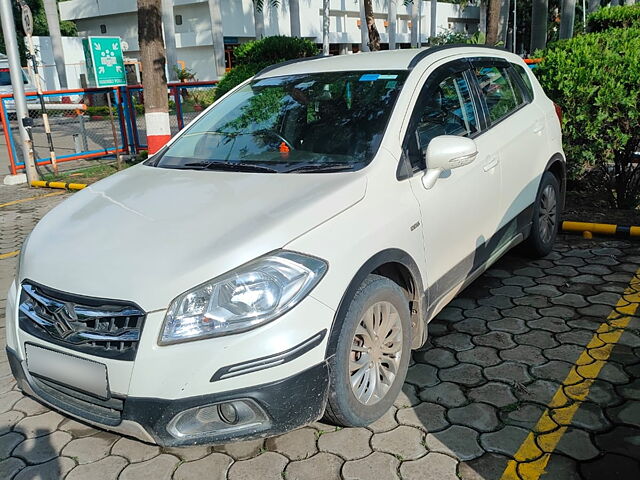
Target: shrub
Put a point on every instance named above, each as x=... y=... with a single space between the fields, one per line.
x=251 y=57
x=595 y=78
x=614 y=17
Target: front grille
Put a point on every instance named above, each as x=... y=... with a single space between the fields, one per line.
x=105 y=328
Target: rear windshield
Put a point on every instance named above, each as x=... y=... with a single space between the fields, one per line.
x=5 y=77
x=333 y=121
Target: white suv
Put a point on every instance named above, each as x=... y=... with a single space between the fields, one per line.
x=278 y=260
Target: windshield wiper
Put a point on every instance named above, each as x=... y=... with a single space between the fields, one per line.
x=321 y=168
x=229 y=166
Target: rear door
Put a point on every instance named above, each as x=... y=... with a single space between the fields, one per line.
x=516 y=126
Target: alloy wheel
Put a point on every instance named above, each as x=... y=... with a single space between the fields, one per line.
x=548 y=211
x=376 y=350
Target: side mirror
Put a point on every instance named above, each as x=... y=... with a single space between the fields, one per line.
x=447 y=152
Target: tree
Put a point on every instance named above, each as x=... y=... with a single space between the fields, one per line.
x=374 y=35
x=154 y=80
x=493 y=19
x=40 y=27
x=539 y=15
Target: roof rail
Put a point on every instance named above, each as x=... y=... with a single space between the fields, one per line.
x=431 y=50
x=288 y=62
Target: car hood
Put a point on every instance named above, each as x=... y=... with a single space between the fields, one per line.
x=148 y=234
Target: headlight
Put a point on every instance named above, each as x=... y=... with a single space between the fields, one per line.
x=244 y=298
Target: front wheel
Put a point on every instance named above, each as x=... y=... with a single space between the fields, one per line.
x=372 y=354
x=546 y=218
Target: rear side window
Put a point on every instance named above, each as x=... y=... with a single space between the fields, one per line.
x=526 y=81
x=500 y=94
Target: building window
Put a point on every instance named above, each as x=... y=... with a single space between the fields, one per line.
x=178 y=19
x=103 y=28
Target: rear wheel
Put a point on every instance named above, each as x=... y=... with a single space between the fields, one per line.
x=546 y=218
x=372 y=355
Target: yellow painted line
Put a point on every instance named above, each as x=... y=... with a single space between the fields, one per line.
x=22 y=200
x=9 y=255
x=531 y=459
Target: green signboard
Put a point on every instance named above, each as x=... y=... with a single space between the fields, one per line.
x=105 y=65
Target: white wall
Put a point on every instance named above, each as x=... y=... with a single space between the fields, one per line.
x=193 y=37
x=73 y=59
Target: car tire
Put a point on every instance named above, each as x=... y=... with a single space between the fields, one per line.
x=359 y=397
x=546 y=218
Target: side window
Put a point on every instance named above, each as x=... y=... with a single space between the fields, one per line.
x=445 y=107
x=499 y=92
x=526 y=81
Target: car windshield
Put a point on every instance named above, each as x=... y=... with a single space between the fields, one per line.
x=332 y=121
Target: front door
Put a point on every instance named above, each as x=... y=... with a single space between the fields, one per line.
x=460 y=212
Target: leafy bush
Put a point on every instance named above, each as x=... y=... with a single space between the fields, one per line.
x=614 y=17
x=251 y=57
x=595 y=78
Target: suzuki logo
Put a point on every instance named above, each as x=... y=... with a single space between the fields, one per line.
x=61 y=315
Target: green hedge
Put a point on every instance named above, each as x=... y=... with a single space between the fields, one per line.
x=595 y=78
x=251 y=57
x=614 y=17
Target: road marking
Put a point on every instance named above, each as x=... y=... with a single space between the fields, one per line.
x=22 y=200
x=9 y=255
x=533 y=455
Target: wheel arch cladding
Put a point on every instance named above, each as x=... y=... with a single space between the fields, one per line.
x=399 y=267
x=558 y=167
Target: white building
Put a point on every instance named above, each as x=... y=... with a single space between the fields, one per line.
x=193 y=24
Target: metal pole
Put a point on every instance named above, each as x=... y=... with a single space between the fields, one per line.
x=11 y=44
x=584 y=15
x=51 y=12
x=113 y=130
x=515 y=24
x=43 y=107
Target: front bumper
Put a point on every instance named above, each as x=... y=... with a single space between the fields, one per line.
x=289 y=403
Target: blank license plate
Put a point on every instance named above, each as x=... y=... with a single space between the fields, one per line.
x=69 y=370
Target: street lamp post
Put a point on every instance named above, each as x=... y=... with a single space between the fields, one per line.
x=15 y=71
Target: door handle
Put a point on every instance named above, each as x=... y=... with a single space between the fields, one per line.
x=538 y=128
x=492 y=163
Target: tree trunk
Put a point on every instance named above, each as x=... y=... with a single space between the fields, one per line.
x=567 y=18
x=169 y=27
x=53 y=21
x=364 y=33
x=325 y=28
x=374 y=36
x=294 y=17
x=539 y=19
x=258 y=19
x=217 y=37
x=392 y=20
x=154 y=80
x=493 y=17
x=414 y=23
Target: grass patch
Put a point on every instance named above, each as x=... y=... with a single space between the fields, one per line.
x=85 y=175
